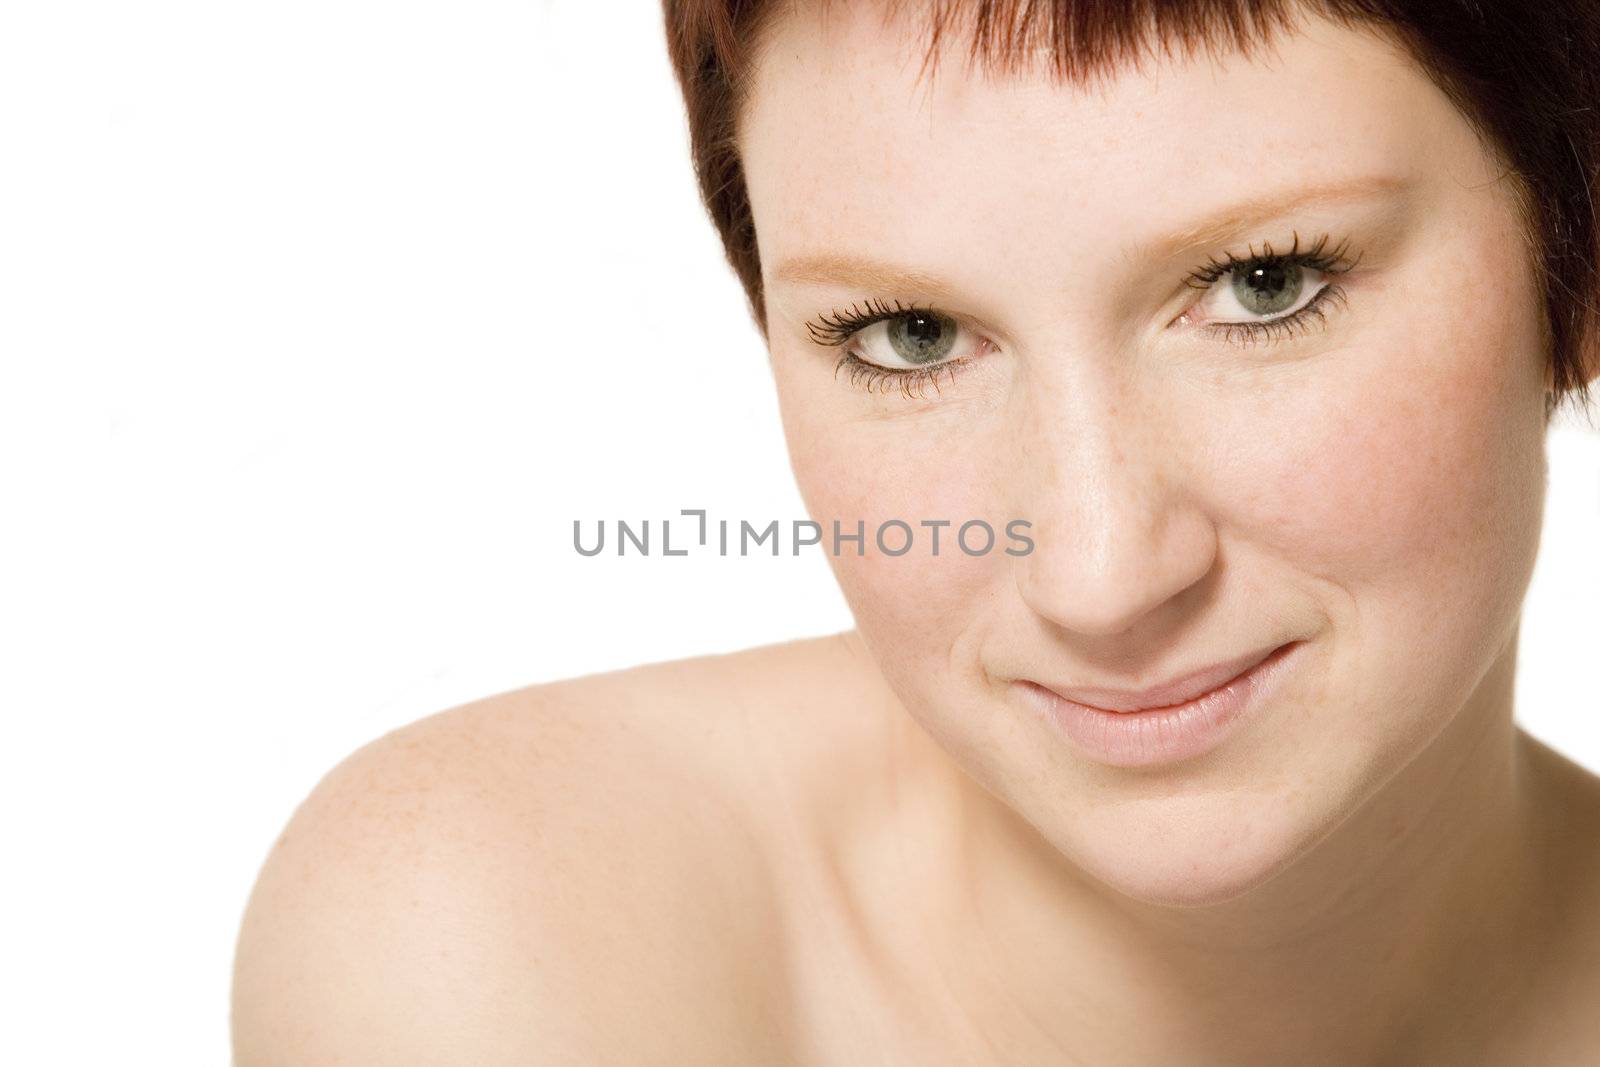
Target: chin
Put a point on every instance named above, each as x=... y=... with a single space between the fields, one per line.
x=1191 y=851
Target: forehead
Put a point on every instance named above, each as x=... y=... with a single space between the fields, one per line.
x=848 y=146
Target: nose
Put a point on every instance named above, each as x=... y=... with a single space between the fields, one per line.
x=1119 y=528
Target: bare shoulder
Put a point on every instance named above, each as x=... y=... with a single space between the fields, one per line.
x=576 y=872
x=1567 y=984
x=1570 y=795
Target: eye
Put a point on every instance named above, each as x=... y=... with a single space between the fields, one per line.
x=910 y=339
x=896 y=337
x=887 y=343
x=1259 y=290
x=1268 y=295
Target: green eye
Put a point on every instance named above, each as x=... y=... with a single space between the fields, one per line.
x=890 y=342
x=1268 y=289
x=920 y=337
x=1258 y=292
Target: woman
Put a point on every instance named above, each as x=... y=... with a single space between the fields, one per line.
x=1255 y=316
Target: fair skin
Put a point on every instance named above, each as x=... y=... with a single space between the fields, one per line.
x=873 y=848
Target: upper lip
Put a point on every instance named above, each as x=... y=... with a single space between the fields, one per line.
x=1184 y=688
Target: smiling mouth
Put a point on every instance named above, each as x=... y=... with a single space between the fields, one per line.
x=1182 y=691
x=1166 y=724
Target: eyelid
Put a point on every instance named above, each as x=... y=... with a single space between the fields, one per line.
x=1318 y=255
x=840 y=328
x=1266 y=331
x=830 y=329
x=869 y=376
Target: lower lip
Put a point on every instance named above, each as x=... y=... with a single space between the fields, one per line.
x=1163 y=735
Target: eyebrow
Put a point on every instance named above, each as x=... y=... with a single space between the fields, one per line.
x=1237 y=218
x=860 y=272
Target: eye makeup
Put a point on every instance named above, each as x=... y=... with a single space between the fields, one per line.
x=1273 y=273
x=841 y=328
x=1252 y=281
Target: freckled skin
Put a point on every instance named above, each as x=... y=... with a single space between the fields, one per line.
x=1360 y=485
x=1373 y=486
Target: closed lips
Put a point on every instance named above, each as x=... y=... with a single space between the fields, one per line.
x=1181 y=690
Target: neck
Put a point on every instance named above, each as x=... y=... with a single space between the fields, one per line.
x=1407 y=918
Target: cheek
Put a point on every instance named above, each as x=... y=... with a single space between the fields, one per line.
x=1406 y=484
x=918 y=468
x=1413 y=454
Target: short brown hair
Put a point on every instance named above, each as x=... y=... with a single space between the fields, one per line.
x=1527 y=76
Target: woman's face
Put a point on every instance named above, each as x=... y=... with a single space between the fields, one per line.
x=1344 y=449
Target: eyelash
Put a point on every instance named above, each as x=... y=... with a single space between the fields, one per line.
x=838 y=328
x=1319 y=257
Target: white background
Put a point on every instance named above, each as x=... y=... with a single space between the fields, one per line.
x=320 y=321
